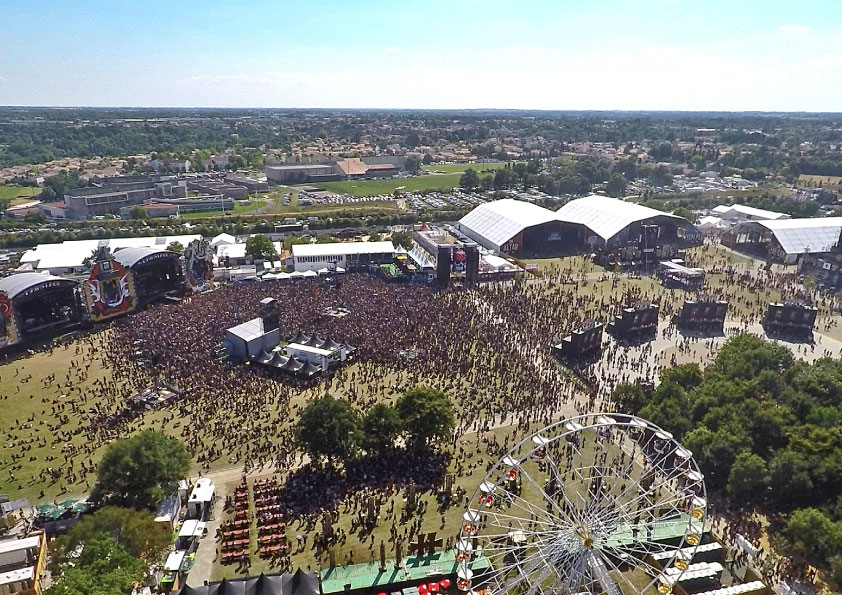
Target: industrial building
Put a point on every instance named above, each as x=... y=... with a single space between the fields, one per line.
x=607 y=221
x=786 y=240
x=109 y=195
x=591 y=223
x=349 y=168
x=741 y=213
x=514 y=227
x=344 y=255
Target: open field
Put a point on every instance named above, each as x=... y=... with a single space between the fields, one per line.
x=238 y=210
x=33 y=402
x=388 y=186
x=13 y=191
x=571 y=264
x=815 y=180
x=453 y=168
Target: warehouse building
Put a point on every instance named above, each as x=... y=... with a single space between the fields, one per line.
x=591 y=223
x=610 y=222
x=786 y=240
x=341 y=255
x=516 y=227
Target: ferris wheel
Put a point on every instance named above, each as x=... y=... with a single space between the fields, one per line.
x=599 y=503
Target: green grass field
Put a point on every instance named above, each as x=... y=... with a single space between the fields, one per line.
x=454 y=168
x=13 y=191
x=238 y=210
x=813 y=180
x=377 y=187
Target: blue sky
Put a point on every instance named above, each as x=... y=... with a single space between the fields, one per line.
x=562 y=54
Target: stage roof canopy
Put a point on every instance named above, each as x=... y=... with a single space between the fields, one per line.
x=501 y=220
x=800 y=236
x=606 y=216
x=14 y=285
x=129 y=257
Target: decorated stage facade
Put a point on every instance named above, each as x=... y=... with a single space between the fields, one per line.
x=34 y=306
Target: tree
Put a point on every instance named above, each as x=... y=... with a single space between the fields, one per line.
x=176 y=247
x=5 y=203
x=236 y=162
x=628 y=397
x=749 y=476
x=428 y=159
x=687 y=376
x=412 y=165
x=379 y=428
x=616 y=185
x=260 y=247
x=812 y=536
x=426 y=415
x=374 y=236
x=102 y=567
x=138 y=212
x=469 y=180
x=402 y=238
x=685 y=213
x=328 y=427
x=790 y=474
x=138 y=472
x=135 y=531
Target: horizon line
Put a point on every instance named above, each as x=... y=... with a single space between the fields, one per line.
x=423 y=109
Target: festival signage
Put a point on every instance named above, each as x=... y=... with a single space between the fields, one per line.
x=8 y=330
x=109 y=290
x=198 y=264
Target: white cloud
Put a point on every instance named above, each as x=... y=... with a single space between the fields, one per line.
x=794 y=28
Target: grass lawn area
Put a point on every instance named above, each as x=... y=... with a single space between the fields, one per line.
x=238 y=210
x=388 y=186
x=570 y=264
x=825 y=180
x=453 y=168
x=432 y=521
x=13 y=191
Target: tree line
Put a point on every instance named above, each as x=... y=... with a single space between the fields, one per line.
x=766 y=430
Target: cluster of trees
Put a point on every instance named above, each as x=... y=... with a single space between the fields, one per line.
x=765 y=430
x=562 y=175
x=29 y=232
x=330 y=429
x=260 y=247
x=114 y=549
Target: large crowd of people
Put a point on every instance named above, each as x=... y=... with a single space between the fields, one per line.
x=488 y=348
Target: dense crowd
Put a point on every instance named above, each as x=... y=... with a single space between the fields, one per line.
x=487 y=348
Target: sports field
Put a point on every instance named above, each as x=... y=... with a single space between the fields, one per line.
x=238 y=210
x=388 y=186
x=453 y=168
x=13 y=191
x=814 y=180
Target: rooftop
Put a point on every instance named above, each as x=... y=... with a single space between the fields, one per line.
x=607 y=216
x=202 y=491
x=14 y=544
x=750 y=212
x=17 y=284
x=418 y=568
x=341 y=248
x=802 y=236
x=72 y=253
x=500 y=220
